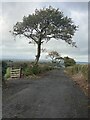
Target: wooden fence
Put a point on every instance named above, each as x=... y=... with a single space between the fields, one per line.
x=15 y=73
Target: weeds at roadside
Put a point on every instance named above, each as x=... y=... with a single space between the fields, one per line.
x=79 y=73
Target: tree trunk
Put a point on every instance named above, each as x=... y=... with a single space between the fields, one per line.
x=38 y=53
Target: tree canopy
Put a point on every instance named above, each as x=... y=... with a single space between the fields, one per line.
x=53 y=55
x=69 y=61
x=45 y=24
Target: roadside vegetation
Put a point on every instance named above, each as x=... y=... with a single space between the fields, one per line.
x=27 y=68
x=79 y=73
x=7 y=74
x=32 y=69
x=4 y=69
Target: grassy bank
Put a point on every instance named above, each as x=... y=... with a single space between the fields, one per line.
x=79 y=73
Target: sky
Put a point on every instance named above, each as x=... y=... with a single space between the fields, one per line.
x=11 y=12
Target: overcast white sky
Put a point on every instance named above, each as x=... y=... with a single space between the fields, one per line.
x=11 y=12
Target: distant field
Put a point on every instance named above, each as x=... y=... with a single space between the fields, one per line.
x=82 y=63
x=19 y=63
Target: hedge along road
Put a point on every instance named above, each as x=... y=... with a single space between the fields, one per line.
x=53 y=95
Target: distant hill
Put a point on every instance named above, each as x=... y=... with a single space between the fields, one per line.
x=81 y=63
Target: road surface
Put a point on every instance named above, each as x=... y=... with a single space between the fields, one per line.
x=53 y=95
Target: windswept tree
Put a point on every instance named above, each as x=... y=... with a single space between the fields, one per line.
x=53 y=55
x=60 y=60
x=45 y=24
x=69 y=61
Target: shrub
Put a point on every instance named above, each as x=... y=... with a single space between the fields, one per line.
x=24 y=66
x=27 y=71
x=69 y=61
x=30 y=69
x=4 y=68
x=7 y=75
x=36 y=69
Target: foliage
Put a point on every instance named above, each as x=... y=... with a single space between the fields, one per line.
x=4 y=67
x=69 y=61
x=7 y=75
x=45 y=24
x=24 y=66
x=27 y=71
x=35 y=69
x=53 y=55
x=28 y=68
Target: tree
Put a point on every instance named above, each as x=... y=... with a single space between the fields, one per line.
x=45 y=24
x=59 y=60
x=53 y=55
x=69 y=61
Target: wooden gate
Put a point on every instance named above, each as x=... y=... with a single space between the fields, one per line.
x=15 y=72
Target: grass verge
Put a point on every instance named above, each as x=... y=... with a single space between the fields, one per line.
x=79 y=73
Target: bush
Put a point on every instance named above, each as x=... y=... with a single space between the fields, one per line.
x=4 y=68
x=24 y=66
x=69 y=61
x=7 y=75
x=27 y=71
x=36 y=69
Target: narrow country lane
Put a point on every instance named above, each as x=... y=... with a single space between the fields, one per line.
x=53 y=95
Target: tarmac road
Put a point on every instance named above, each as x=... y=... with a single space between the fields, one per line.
x=54 y=95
